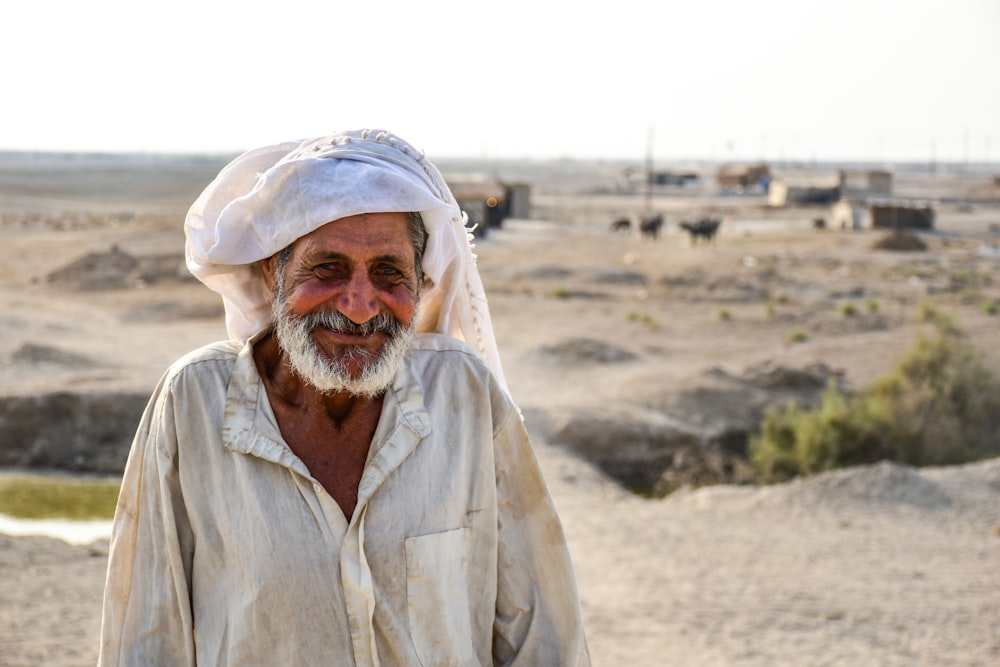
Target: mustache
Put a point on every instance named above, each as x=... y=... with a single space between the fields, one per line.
x=339 y=323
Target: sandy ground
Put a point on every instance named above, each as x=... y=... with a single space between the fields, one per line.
x=881 y=565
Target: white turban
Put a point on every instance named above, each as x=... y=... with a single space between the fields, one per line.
x=267 y=198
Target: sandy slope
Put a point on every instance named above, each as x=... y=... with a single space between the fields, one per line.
x=876 y=566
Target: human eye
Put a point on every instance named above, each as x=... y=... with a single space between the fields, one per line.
x=387 y=270
x=386 y=275
x=329 y=269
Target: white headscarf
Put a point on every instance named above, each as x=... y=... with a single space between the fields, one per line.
x=267 y=198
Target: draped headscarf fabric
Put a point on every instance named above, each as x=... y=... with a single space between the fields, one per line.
x=267 y=198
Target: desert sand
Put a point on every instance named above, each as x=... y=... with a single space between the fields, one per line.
x=875 y=565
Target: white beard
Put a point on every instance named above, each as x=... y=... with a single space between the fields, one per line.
x=332 y=374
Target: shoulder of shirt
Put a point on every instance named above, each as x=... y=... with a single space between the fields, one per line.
x=223 y=350
x=445 y=364
x=434 y=354
x=435 y=342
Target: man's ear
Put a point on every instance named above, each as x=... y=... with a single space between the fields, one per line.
x=269 y=271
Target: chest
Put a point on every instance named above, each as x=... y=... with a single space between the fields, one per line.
x=335 y=454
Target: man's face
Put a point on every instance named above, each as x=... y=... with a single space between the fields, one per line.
x=345 y=302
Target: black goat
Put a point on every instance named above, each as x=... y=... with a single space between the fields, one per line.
x=621 y=225
x=706 y=228
x=650 y=226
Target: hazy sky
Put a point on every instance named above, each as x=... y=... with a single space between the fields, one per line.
x=851 y=79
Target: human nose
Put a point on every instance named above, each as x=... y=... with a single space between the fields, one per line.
x=359 y=301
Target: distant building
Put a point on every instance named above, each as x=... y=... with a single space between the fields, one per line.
x=846 y=214
x=518 y=200
x=632 y=178
x=804 y=190
x=882 y=214
x=855 y=183
x=902 y=216
x=867 y=203
x=742 y=177
x=487 y=201
x=678 y=178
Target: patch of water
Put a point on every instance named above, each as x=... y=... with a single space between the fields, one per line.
x=67 y=530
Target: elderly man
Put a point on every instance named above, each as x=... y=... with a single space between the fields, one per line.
x=345 y=481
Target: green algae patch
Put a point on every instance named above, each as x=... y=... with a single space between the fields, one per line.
x=37 y=496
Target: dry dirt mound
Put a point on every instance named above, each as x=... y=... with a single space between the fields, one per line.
x=117 y=269
x=729 y=407
x=617 y=276
x=545 y=273
x=575 y=351
x=885 y=488
x=32 y=354
x=97 y=271
x=631 y=445
x=68 y=431
x=172 y=311
x=695 y=435
x=728 y=286
x=883 y=483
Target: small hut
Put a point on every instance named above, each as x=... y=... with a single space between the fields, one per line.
x=676 y=178
x=882 y=214
x=803 y=191
x=487 y=201
x=890 y=215
x=518 y=200
x=847 y=214
x=856 y=183
x=742 y=176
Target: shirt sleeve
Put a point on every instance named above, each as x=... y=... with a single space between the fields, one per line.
x=147 y=618
x=538 y=618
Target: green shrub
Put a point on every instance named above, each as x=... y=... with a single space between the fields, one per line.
x=991 y=306
x=841 y=431
x=929 y=313
x=725 y=315
x=848 y=309
x=797 y=336
x=645 y=318
x=940 y=405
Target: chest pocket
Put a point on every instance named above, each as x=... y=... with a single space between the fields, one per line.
x=437 y=598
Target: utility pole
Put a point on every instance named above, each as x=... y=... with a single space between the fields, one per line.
x=649 y=171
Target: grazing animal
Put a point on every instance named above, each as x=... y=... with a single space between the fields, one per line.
x=705 y=228
x=650 y=226
x=621 y=225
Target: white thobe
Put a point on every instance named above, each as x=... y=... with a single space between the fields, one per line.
x=226 y=550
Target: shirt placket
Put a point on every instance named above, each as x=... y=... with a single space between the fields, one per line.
x=401 y=427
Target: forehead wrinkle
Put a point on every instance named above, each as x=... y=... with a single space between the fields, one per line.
x=316 y=255
x=348 y=242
